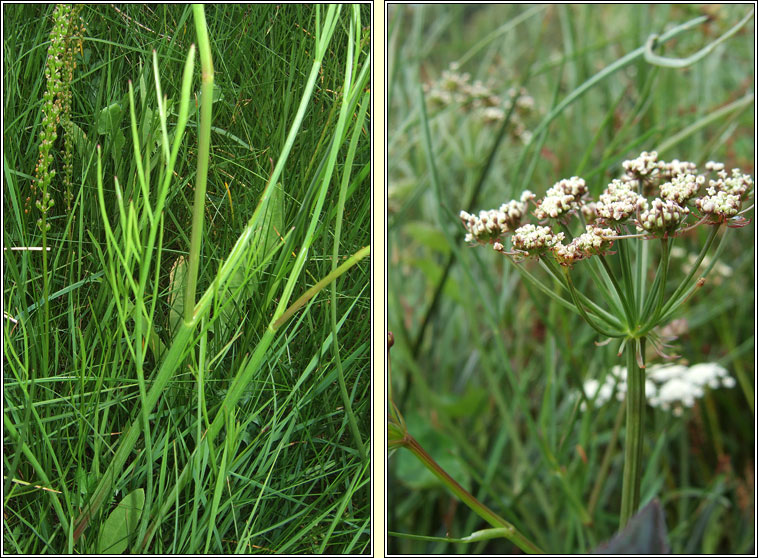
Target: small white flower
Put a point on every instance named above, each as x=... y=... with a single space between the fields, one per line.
x=672 y=169
x=679 y=389
x=663 y=373
x=594 y=241
x=493 y=223
x=492 y=114
x=713 y=166
x=671 y=387
x=597 y=392
x=719 y=204
x=525 y=103
x=707 y=374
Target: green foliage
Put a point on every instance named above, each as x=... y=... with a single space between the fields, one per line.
x=107 y=388
x=417 y=477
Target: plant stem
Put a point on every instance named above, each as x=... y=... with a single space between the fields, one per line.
x=203 y=152
x=635 y=417
x=509 y=531
x=315 y=289
x=605 y=464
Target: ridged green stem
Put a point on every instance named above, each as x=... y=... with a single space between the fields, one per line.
x=635 y=419
x=203 y=153
x=605 y=463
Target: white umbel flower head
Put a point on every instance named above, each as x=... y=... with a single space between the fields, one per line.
x=619 y=202
x=594 y=241
x=491 y=224
x=644 y=166
x=672 y=169
x=676 y=392
x=719 y=204
x=664 y=216
x=671 y=387
x=714 y=166
x=682 y=188
x=534 y=239
x=563 y=197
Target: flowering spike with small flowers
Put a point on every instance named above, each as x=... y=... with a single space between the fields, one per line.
x=653 y=200
x=65 y=35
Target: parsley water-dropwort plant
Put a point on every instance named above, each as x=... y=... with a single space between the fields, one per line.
x=652 y=202
x=488 y=369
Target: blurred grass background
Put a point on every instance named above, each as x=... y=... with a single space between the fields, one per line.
x=484 y=371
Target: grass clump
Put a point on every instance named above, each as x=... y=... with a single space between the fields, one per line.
x=227 y=413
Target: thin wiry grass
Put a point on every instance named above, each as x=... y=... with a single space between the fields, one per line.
x=284 y=473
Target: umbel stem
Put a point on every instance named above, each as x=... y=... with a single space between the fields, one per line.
x=635 y=419
x=508 y=530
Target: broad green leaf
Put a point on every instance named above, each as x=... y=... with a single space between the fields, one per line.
x=153 y=340
x=118 y=145
x=150 y=123
x=217 y=96
x=433 y=272
x=457 y=405
x=81 y=480
x=109 y=119
x=229 y=310
x=121 y=524
x=176 y=285
x=142 y=87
